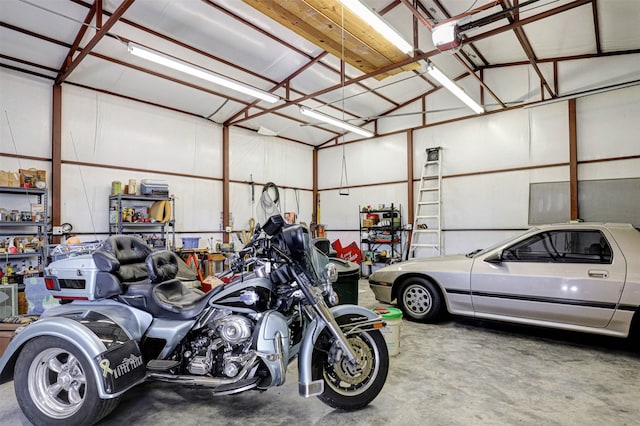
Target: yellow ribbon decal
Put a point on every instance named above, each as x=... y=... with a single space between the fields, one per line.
x=104 y=364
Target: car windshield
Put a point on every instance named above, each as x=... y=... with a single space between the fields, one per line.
x=480 y=252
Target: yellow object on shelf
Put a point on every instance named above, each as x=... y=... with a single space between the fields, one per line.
x=161 y=211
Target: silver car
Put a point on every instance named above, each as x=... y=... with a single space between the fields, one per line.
x=577 y=276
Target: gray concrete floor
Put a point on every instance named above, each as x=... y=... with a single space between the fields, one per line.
x=458 y=372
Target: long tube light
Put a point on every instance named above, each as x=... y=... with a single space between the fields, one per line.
x=454 y=88
x=334 y=121
x=378 y=24
x=187 y=68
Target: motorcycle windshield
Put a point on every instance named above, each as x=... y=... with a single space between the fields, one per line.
x=317 y=263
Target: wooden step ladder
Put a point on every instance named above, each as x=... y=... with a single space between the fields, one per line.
x=426 y=236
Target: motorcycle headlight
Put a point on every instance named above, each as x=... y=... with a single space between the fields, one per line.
x=332 y=272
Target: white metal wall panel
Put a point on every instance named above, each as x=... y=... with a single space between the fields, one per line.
x=563 y=35
x=25 y=124
x=608 y=124
x=341 y=212
x=549 y=174
x=467 y=241
x=620 y=169
x=581 y=75
x=492 y=201
x=269 y=159
x=516 y=138
x=619 y=27
x=104 y=129
x=374 y=160
x=514 y=85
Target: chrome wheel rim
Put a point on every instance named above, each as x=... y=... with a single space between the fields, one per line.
x=57 y=383
x=417 y=300
x=348 y=379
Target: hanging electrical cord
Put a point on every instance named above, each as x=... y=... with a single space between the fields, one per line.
x=84 y=187
x=344 y=180
x=270 y=185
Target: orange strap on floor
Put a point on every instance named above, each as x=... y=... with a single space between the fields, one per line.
x=194 y=257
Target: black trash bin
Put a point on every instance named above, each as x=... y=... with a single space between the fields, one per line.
x=347 y=284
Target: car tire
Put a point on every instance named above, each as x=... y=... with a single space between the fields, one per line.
x=420 y=300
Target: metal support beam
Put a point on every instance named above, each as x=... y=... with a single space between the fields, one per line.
x=410 y=201
x=316 y=194
x=526 y=46
x=67 y=69
x=56 y=157
x=573 y=160
x=225 y=183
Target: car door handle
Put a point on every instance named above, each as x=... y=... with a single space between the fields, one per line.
x=598 y=273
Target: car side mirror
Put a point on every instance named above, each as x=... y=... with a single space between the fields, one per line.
x=494 y=258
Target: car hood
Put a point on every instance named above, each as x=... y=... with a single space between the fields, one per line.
x=447 y=263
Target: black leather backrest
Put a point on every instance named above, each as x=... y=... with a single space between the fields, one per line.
x=123 y=256
x=162 y=266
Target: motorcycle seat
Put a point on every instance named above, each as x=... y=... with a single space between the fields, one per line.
x=168 y=297
x=123 y=256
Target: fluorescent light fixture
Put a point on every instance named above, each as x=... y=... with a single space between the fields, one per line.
x=334 y=121
x=453 y=88
x=187 y=68
x=378 y=24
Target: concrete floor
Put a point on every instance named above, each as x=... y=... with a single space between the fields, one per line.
x=458 y=372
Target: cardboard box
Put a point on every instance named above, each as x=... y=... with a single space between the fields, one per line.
x=30 y=178
x=6 y=334
x=9 y=179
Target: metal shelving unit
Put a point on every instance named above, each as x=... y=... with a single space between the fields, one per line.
x=117 y=225
x=25 y=228
x=383 y=235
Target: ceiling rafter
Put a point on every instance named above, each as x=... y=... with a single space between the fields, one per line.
x=284 y=82
x=529 y=20
x=67 y=69
x=83 y=30
x=457 y=55
x=596 y=25
x=472 y=73
x=526 y=45
x=206 y=54
x=250 y=114
x=349 y=82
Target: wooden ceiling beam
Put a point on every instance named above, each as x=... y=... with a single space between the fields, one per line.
x=337 y=30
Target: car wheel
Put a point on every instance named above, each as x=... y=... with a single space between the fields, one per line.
x=420 y=300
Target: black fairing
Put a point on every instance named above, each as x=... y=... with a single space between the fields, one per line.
x=273 y=225
x=295 y=240
x=107 y=285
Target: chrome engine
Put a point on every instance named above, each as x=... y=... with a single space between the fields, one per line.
x=223 y=348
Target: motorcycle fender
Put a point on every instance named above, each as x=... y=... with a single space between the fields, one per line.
x=115 y=359
x=306 y=386
x=272 y=341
